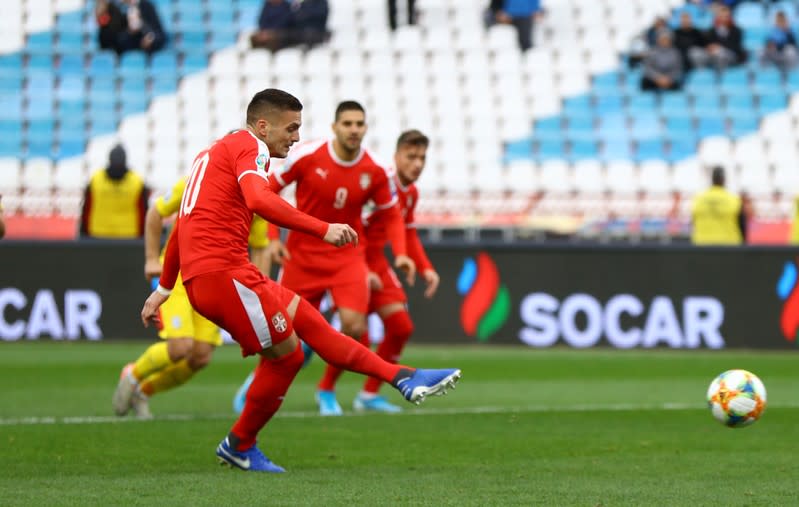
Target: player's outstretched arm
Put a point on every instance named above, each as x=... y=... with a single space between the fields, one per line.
x=153 y=226
x=261 y=200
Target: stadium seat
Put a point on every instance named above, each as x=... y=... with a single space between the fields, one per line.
x=10 y=174
x=37 y=174
x=102 y=64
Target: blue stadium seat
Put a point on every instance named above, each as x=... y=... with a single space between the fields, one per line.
x=103 y=124
x=700 y=80
x=193 y=62
x=101 y=107
x=771 y=102
x=545 y=126
x=646 y=127
x=580 y=124
x=70 y=64
x=582 y=150
x=40 y=42
x=10 y=83
x=73 y=120
x=11 y=108
x=70 y=143
x=768 y=80
x=39 y=62
x=749 y=15
x=220 y=14
x=755 y=38
x=521 y=149
x=164 y=61
x=248 y=16
x=10 y=137
x=680 y=149
x=102 y=64
x=792 y=81
x=134 y=103
x=39 y=137
x=651 y=149
x=133 y=85
x=69 y=41
x=614 y=151
x=191 y=39
x=580 y=105
x=743 y=125
x=679 y=121
x=551 y=150
x=164 y=84
x=608 y=102
x=670 y=101
x=642 y=104
x=132 y=64
x=704 y=103
x=222 y=37
x=708 y=126
x=71 y=87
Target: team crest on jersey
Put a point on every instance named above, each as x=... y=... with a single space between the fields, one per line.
x=279 y=322
x=260 y=161
x=366 y=180
x=176 y=322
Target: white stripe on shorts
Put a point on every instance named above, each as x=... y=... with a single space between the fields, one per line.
x=252 y=305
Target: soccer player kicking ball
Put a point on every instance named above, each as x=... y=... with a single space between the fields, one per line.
x=189 y=339
x=388 y=298
x=335 y=178
x=228 y=183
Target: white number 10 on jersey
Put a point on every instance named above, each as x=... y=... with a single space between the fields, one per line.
x=192 y=191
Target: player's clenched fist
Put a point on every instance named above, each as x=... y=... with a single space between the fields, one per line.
x=340 y=235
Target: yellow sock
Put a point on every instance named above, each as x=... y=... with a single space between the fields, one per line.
x=154 y=359
x=169 y=377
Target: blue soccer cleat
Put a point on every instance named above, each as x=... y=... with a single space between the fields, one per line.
x=374 y=404
x=251 y=460
x=241 y=395
x=328 y=404
x=424 y=383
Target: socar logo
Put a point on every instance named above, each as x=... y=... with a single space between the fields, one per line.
x=788 y=292
x=486 y=302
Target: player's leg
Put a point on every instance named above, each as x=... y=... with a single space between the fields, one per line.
x=398 y=329
x=241 y=301
x=176 y=333
x=350 y=293
x=344 y=352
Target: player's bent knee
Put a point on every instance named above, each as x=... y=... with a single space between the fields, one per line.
x=353 y=329
x=200 y=355
x=179 y=348
x=282 y=348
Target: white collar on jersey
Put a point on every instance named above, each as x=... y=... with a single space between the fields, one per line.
x=344 y=163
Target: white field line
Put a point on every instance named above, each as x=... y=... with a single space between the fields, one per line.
x=617 y=407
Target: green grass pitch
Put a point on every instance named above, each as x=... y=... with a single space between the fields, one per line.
x=524 y=427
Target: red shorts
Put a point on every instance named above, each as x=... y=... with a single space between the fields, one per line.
x=251 y=307
x=392 y=291
x=347 y=283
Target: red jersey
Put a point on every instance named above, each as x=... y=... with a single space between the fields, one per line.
x=334 y=191
x=228 y=183
x=376 y=235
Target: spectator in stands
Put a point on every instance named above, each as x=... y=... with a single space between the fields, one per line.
x=283 y=24
x=519 y=13
x=717 y=215
x=781 y=44
x=687 y=38
x=663 y=68
x=2 y=223
x=111 y=24
x=115 y=201
x=143 y=29
x=392 y=13
x=723 y=43
x=641 y=44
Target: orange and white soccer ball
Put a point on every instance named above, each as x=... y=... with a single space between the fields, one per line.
x=737 y=398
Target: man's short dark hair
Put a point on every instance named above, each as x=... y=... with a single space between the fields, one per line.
x=413 y=137
x=270 y=101
x=348 y=105
x=717 y=176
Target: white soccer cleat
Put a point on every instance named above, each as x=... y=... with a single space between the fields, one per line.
x=126 y=388
x=141 y=406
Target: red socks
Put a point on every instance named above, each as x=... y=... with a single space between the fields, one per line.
x=272 y=379
x=399 y=328
x=331 y=375
x=337 y=349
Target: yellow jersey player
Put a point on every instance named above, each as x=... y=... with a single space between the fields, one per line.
x=188 y=338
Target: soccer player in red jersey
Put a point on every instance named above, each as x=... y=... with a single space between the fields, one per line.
x=335 y=178
x=388 y=298
x=228 y=183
